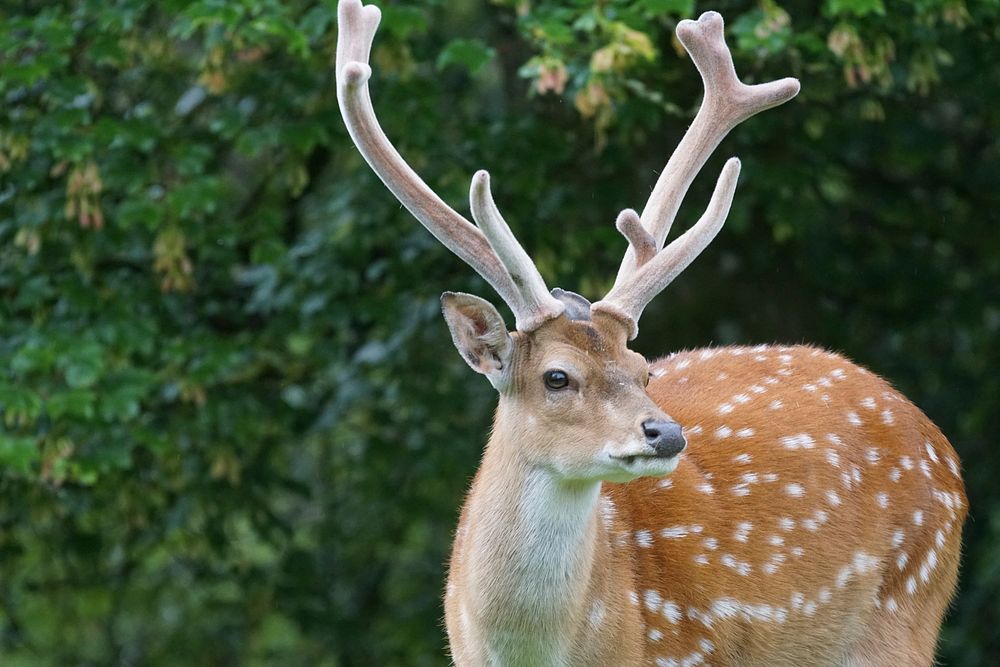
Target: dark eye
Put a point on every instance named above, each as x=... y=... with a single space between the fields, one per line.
x=556 y=379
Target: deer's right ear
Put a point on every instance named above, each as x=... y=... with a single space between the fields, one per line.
x=480 y=335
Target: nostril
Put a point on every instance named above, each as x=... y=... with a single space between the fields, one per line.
x=665 y=437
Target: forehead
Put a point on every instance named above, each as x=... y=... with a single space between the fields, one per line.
x=584 y=341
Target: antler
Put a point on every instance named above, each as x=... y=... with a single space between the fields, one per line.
x=493 y=252
x=728 y=102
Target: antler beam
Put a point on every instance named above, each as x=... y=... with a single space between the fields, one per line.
x=518 y=283
x=726 y=104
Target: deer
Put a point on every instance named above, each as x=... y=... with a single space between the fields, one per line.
x=740 y=505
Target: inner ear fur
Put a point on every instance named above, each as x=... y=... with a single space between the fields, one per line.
x=479 y=334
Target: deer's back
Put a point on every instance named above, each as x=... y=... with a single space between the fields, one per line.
x=812 y=499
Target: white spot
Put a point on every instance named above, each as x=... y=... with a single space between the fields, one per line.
x=633 y=597
x=906 y=462
x=667 y=662
x=671 y=612
x=882 y=499
x=833 y=458
x=722 y=377
x=596 y=615
x=701 y=559
x=674 y=532
x=742 y=533
x=666 y=483
x=939 y=538
x=890 y=605
x=654 y=635
x=894 y=474
x=785 y=371
x=771 y=380
x=853 y=418
x=798 y=552
x=930 y=451
x=887 y=417
x=809 y=387
x=897 y=538
x=929 y=564
x=653 y=600
x=723 y=432
x=745 y=433
x=835 y=439
x=742 y=458
x=752 y=478
x=843 y=576
x=795 y=490
x=825 y=595
x=644 y=539
x=706 y=646
x=809 y=609
x=796 y=600
x=918 y=517
x=925 y=468
x=832 y=497
x=837 y=373
x=694 y=430
x=810 y=524
x=776 y=540
x=741 y=398
x=786 y=523
x=952 y=466
x=901 y=561
x=725 y=408
x=776 y=404
x=797 y=441
x=710 y=543
x=757 y=389
x=911 y=585
x=864 y=563
x=743 y=568
x=868 y=402
x=770 y=477
x=740 y=490
x=872 y=455
x=821 y=516
x=706 y=487
x=846 y=479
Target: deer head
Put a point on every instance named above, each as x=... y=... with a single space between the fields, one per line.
x=568 y=382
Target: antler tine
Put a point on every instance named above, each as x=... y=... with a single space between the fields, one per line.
x=639 y=240
x=726 y=104
x=357 y=26
x=538 y=302
x=627 y=301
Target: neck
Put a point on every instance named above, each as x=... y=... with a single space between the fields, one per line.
x=529 y=578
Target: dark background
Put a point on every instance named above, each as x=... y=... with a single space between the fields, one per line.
x=234 y=427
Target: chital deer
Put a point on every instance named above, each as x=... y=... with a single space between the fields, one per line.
x=807 y=513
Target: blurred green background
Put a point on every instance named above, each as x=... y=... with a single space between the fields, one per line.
x=234 y=427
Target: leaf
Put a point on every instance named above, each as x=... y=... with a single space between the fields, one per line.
x=18 y=453
x=679 y=7
x=470 y=54
x=855 y=7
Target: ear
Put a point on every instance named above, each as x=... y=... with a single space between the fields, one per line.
x=479 y=334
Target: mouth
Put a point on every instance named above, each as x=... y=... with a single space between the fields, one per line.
x=647 y=465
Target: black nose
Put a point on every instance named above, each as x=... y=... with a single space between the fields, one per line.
x=664 y=437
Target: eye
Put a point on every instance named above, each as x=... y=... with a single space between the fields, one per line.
x=556 y=379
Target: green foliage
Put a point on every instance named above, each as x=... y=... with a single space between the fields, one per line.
x=233 y=427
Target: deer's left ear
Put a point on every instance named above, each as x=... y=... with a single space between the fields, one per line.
x=480 y=335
